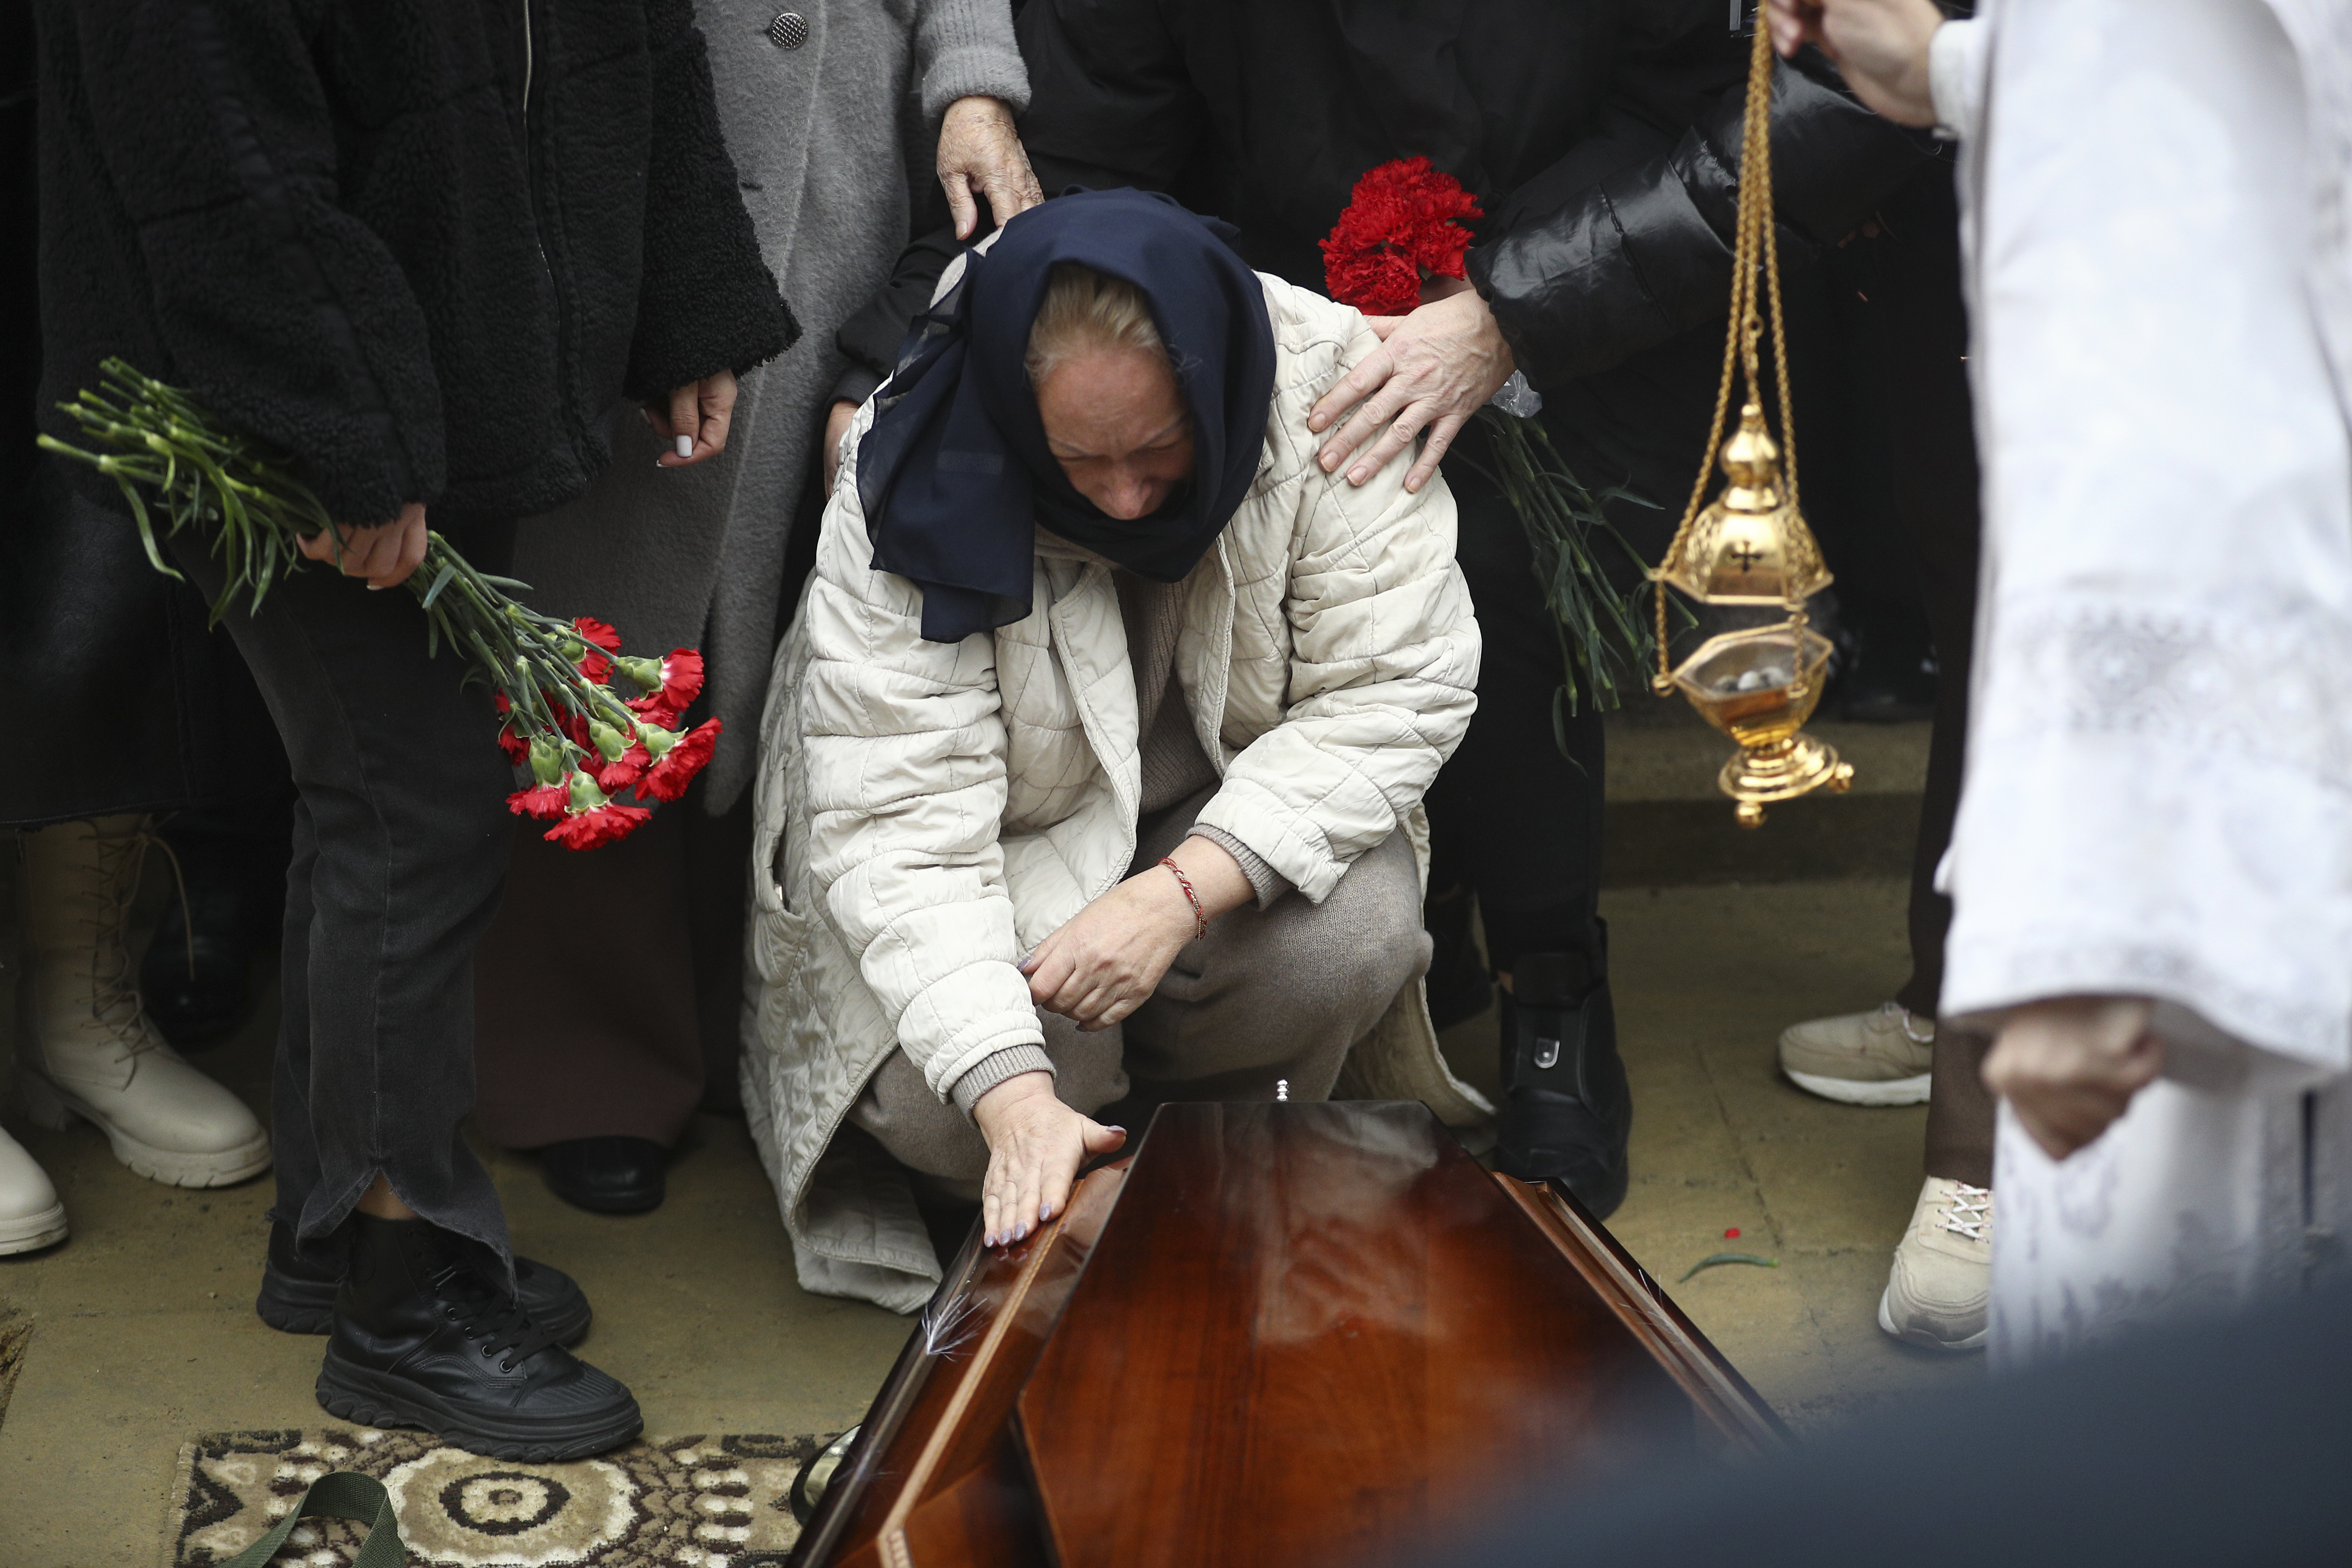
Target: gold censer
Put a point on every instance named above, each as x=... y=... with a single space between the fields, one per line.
x=1745 y=559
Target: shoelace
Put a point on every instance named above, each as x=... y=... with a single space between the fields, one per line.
x=1893 y=1009
x=482 y=1313
x=1968 y=1213
x=115 y=1001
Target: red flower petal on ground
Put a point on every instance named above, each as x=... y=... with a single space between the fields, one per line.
x=546 y=802
x=668 y=779
x=594 y=830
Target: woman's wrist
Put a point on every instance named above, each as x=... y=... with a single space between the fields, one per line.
x=1216 y=879
x=988 y=1111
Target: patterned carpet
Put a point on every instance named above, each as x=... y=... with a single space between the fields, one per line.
x=681 y=1502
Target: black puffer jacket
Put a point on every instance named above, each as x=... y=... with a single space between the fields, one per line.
x=425 y=245
x=1601 y=136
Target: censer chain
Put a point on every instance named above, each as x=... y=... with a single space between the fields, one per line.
x=1755 y=241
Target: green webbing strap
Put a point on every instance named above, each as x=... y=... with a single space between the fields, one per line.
x=344 y=1494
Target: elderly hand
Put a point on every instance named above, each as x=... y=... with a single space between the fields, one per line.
x=981 y=150
x=1433 y=370
x=1108 y=960
x=696 y=421
x=2069 y=1068
x=384 y=552
x=1035 y=1145
x=1881 y=45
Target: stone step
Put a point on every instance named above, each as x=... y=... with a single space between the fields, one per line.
x=1669 y=825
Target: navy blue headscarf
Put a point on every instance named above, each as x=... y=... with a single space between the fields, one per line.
x=955 y=474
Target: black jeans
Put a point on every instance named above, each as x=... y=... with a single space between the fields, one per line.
x=1510 y=817
x=401 y=836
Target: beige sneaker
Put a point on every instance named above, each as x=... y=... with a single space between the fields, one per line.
x=1942 y=1280
x=1862 y=1058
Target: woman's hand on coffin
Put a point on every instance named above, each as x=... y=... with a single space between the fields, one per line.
x=1035 y=1145
x=980 y=150
x=385 y=553
x=2069 y=1066
x=1108 y=961
x=1433 y=370
x=695 y=421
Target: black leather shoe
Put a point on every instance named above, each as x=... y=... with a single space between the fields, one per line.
x=606 y=1176
x=420 y=1339
x=1567 y=1110
x=197 y=977
x=298 y=1291
x=1458 y=986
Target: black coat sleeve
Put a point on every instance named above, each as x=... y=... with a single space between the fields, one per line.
x=707 y=302
x=284 y=313
x=1642 y=254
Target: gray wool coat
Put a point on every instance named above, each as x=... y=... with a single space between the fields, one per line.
x=834 y=141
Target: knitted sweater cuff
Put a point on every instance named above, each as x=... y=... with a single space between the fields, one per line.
x=994 y=1070
x=971 y=51
x=1266 y=882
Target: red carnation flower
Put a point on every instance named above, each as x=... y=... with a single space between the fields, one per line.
x=593 y=665
x=592 y=829
x=1401 y=225
x=516 y=747
x=671 y=684
x=546 y=802
x=667 y=778
x=618 y=775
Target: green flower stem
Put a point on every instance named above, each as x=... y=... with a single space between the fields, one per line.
x=171 y=460
x=1605 y=641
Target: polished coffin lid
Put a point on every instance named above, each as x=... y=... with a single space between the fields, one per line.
x=1292 y=1333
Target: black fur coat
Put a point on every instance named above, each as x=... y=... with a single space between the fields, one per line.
x=426 y=245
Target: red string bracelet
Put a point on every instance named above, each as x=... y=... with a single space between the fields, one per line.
x=1199 y=915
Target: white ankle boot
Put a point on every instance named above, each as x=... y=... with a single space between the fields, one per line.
x=84 y=1048
x=30 y=1215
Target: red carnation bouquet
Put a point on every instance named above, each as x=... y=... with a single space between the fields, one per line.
x=1402 y=227
x=588 y=743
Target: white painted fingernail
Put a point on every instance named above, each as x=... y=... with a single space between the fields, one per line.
x=686 y=446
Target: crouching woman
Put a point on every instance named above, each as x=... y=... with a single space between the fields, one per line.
x=1091 y=757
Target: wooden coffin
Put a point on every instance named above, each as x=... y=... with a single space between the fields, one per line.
x=1295 y=1333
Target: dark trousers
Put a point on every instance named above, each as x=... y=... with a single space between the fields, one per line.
x=1909 y=272
x=400 y=843
x=568 y=1046
x=1511 y=818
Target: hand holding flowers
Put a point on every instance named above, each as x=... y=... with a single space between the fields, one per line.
x=584 y=741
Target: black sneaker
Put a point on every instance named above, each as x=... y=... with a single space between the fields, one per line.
x=420 y=1339
x=1567 y=1110
x=298 y=1291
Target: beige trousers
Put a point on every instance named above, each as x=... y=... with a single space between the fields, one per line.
x=1267 y=995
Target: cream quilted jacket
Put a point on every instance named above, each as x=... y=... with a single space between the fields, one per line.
x=929 y=812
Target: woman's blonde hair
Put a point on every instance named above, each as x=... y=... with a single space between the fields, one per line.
x=1084 y=312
